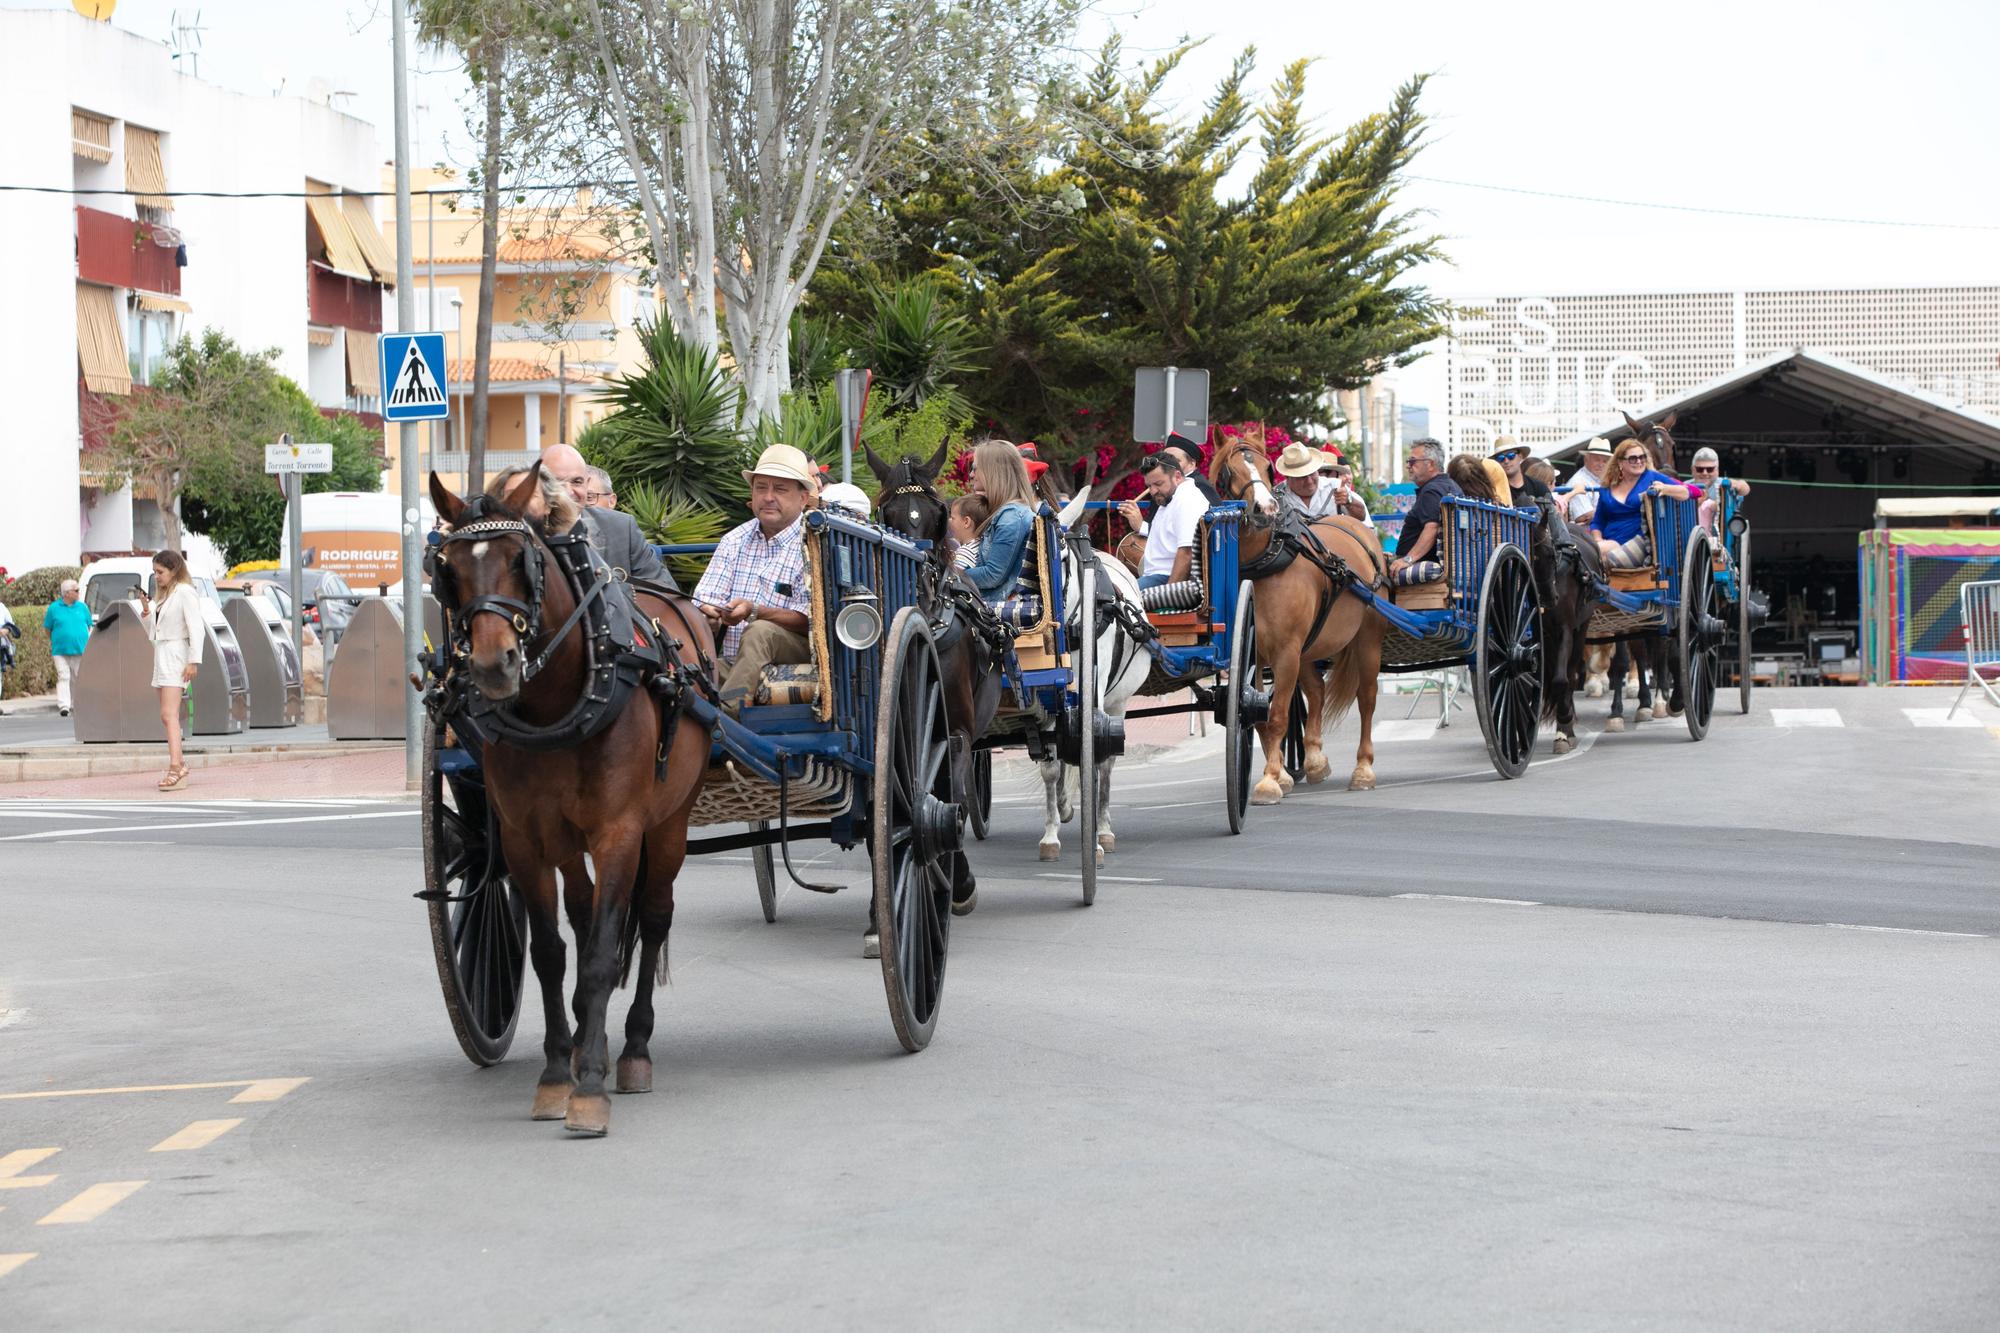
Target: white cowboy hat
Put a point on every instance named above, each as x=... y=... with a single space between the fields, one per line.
x=1506 y=444
x=845 y=495
x=783 y=461
x=1599 y=446
x=1298 y=461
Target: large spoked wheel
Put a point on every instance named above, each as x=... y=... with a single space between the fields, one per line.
x=764 y=863
x=1743 y=619
x=1086 y=694
x=481 y=940
x=1507 y=661
x=916 y=829
x=979 y=812
x=1238 y=743
x=1700 y=632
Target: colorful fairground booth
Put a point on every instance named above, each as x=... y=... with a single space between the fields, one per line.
x=1914 y=562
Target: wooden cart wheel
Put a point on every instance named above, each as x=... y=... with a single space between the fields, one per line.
x=1507 y=661
x=916 y=829
x=481 y=941
x=1743 y=682
x=1238 y=743
x=979 y=813
x=764 y=863
x=1700 y=630
x=1086 y=694
x=1295 y=736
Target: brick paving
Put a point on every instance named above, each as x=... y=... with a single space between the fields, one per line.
x=373 y=773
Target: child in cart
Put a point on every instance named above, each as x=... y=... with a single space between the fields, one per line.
x=968 y=515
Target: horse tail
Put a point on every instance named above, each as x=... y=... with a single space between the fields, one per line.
x=1343 y=686
x=628 y=937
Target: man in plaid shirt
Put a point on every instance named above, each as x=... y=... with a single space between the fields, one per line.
x=756 y=588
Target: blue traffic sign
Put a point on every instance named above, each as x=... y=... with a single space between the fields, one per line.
x=413 y=383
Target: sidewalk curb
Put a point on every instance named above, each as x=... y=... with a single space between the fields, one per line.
x=25 y=766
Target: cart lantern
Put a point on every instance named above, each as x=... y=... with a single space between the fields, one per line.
x=858 y=624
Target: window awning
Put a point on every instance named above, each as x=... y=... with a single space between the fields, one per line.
x=337 y=239
x=318 y=337
x=145 y=169
x=149 y=301
x=90 y=136
x=375 y=248
x=363 y=371
x=100 y=341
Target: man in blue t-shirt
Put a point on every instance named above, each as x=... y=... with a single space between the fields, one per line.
x=68 y=624
x=1417 y=545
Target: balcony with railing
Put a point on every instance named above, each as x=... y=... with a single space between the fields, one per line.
x=126 y=252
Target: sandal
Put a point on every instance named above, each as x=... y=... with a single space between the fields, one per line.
x=174 y=778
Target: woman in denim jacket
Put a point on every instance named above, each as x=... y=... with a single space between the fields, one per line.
x=1000 y=476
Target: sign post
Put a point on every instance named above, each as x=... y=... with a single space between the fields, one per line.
x=1169 y=400
x=852 y=388
x=413 y=380
x=291 y=462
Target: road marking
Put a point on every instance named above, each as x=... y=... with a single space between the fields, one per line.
x=210 y=824
x=1101 y=879
x=1941 y=717
x=1466 y=898
x=10 y=1262
x=49 y=814
x=1404 y=729
x=197 y=1135
x=14 y=1163
x=1909 y=930
x=1806 y=717
x=254 y=1089
x=93 y=1203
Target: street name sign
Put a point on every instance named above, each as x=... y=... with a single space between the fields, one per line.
x=413 y=377
x=288 y=457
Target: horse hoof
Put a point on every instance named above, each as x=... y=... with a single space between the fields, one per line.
x=1593 y=689
x=1285 y=781
x=635 y=1074
x=1615 y=724
x=1051 y=851
x=1065 y=811
x=589 y=1116
x=1564 y=745
x=1318 y=773
x=1363 y=780
x=551 y=1101
x=1266 y=792
x=1643 y=715
x=1100 y=856
x=1107 y=842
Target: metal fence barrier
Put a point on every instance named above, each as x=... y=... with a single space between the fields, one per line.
x=1980 y=605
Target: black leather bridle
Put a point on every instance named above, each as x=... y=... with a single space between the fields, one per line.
x=910 y=504
x=525 y=617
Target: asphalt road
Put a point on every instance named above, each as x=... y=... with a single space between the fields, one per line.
x=1252 y=1086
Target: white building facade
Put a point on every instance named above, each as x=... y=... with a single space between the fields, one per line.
x=102 y=282
x=1545 y=369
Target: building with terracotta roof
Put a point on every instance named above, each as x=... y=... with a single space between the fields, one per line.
x=566 y=312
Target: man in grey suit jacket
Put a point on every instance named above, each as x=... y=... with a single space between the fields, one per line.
x=615 y=536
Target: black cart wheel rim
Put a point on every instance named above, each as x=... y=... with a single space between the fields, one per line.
x=1243 y=676
x=980 y=815
x=1508 y=662
x=1086 y=694
x=1744 y=683
x=912 y=803
x=1295 y=736
x=1701 y=647
x=481 y=941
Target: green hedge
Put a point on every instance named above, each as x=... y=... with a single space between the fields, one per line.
x=34 y=670
x=40 y=585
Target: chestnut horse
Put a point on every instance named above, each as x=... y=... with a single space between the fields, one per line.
x=1302 y=620
x=615 y=796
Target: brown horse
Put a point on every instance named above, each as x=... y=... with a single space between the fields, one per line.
x=615 y=796
x=1302 y=620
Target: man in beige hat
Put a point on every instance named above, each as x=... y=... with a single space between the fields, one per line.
x=1586 y=481
x=1512 y=456
x=755 y=588
x=1305 y=492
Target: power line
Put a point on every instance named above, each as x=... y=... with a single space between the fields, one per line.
x=300 y=194
x=1698 y=208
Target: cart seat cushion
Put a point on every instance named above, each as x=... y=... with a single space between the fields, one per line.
x=1432 y=596
x=1019 y=612
x=787 y=683
x=1182 y=596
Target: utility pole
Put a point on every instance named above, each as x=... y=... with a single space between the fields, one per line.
x=406 y=458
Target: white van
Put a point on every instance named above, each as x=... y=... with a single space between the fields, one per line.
x=118 y=578
x=355 y=534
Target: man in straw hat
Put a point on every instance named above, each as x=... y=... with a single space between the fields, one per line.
x=1305 y=492
x=755 y=588
x=1512 y=456
x=1585 y=482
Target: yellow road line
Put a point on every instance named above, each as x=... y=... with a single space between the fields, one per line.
x=10 y=1262
x=197 y=1135
x=14 y=1163
x=93 y=1203
x=254 y=1089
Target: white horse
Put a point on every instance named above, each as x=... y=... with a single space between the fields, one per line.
x=1122 y=667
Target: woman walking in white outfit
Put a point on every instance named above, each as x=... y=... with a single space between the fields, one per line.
x=175 y=627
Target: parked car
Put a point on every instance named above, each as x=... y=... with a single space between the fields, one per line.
x=330 y=603
x=120 y=578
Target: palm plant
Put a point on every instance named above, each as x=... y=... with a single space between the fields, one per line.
x=916 y=345
x=674 y=426
x=815 y=352
x=669 y=522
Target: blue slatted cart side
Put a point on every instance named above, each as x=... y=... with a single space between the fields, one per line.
x=1673 y=521
x=1477 y=529
x=856 y=558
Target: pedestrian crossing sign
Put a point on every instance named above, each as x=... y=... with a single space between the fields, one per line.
x=413 y=377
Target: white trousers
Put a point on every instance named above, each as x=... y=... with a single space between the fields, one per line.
x=66 y=669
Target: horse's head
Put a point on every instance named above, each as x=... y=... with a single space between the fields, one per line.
x=909 y=502
x=1656 y=436
x=487 y=571
x=1240 y=471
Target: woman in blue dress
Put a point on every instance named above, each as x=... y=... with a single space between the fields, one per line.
x=1619 y=523
x=999 y=474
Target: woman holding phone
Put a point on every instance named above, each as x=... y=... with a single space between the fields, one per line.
x=173 y=621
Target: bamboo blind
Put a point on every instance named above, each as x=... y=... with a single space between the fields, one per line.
x=100 y=341
x=90 y=136
x=342 y=249
x=145 y=169
x=375 y=248
x=363 y=371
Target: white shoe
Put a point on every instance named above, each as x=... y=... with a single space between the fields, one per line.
x=871 y=945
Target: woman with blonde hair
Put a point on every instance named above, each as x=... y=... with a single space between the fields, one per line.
x=176 y=628
x=1001 y=477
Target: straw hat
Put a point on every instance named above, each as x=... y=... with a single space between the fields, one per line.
x=1506 y=444
x=1598 y=445
x=1329 y=456
x=785 y=462
x=1298 y=461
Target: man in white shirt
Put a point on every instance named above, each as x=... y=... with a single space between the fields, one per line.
x=1581 y=502
x=1178 y=507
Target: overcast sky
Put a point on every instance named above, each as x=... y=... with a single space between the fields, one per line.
x=1836 y=108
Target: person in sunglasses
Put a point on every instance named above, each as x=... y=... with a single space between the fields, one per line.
x=1512 y=456
x=1707 y=475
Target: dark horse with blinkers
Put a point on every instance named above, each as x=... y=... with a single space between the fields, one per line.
x=583 y=755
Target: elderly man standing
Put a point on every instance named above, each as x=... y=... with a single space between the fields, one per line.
x=68 y=622
x=1417 y=545
x=615 y=536
x=755 y=587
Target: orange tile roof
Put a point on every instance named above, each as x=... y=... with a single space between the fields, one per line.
x=548 y=249
x=509 y=370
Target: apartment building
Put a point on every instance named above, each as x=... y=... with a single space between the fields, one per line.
x=113 y=259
